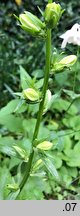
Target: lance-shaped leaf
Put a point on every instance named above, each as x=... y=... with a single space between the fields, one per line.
x=49 y=164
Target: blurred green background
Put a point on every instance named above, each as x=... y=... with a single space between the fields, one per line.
x=18 y=48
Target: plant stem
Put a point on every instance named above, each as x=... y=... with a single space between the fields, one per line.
x=49 y=1
x=41 y=107
x=27 y=172
x=45 y=84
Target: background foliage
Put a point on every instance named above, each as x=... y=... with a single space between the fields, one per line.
x=20 y=52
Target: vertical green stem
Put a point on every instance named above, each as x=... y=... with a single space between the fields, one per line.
x=49 y=1
x=28 y=168
x=41 y=107
x=45 y=84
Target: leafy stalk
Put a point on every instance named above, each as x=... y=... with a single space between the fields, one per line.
x=41 y=107
x=45 y=84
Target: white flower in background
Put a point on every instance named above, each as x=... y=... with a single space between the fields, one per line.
x=71 y=36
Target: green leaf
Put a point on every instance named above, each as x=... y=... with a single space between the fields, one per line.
x=62 y=78
x=13 y=195
x=72 y=94
x=12 y=123
x=55 y=97
x=37 y=73
x=57 y=161
x=73 y=160
x=67 y=145
x=6 y=144
x=59 y=143
x=9 y=108
x=49 y=164
x=72 y=122
x=39 y=84
x=29 y=126
x=33 y=189
x=62 y=105
x=21 y=107
x=65 y=177
x=51 y=168
x=5 y=178
x=74 y=156
x=72 y=171
x=53 y=125
x=21 y=153
x=26 y=80
x=44 y=133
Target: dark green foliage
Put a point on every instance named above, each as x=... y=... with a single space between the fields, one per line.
x=61 y=125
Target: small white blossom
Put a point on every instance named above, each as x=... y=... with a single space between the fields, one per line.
x=71 y=36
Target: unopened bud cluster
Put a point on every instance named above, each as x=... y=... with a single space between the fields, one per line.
x=34 y=26
x=52 y=14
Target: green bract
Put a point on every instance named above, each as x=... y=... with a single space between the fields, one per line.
x=47 y=101
x=37 y=164
x=31 y=24
x=52 y=14
x=21 y=153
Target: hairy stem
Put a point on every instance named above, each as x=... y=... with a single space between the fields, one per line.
x=41 y=107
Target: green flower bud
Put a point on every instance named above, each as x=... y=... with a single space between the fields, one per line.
x=37 y=165
x=21 y=153
x=35 y=19
x=67 y=62
x=52 y=14
x=45 y=145
x=13 y=187
x=31 y=95
x=32 y=24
